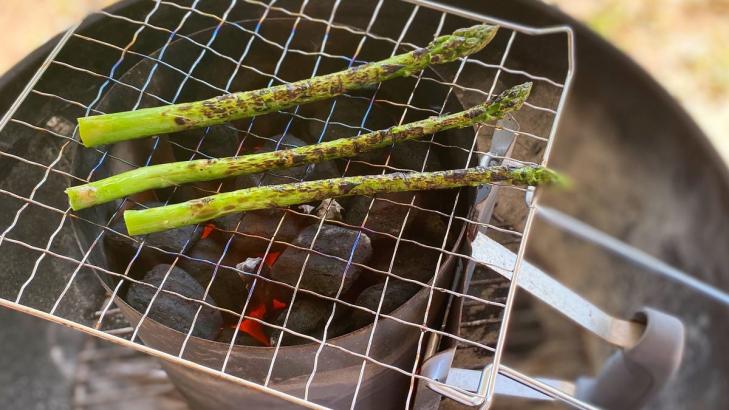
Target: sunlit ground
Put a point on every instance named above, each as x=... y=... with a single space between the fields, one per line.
x=683 y=43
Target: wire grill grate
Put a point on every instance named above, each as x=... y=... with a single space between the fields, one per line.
x=234 y=36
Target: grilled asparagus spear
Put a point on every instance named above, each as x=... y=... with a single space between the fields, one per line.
x=164 y=175
x=204 y=209
x=110 y=128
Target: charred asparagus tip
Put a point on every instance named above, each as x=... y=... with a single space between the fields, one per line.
x=514 y=97
x=461 y=42
x=532 y=176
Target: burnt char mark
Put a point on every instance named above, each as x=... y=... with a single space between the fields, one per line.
x=258 y=101
x=374 y=137
x=358 y=147
x=346 y=187
x=330 y=151
x=181 y=121
x=448 y=122
x=337 y=86
x=215 y=109
x=456 y=175
x=410 y=133
x=500 y=175
x=391 y=69
x=474 y=112
x=199 y=208
x=298 y=158
x=292 y=91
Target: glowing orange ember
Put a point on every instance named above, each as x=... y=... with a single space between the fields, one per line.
x=207 y=230
x=270 y=258
x=277 y=304
x=255 y=329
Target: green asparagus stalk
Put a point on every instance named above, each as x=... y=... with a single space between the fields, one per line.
x=176 y=173
x=111 y=128
x=200 y=210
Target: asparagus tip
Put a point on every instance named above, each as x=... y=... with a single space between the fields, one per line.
x=562 y=181
x=508 y=101
x=462 y=42
x=534 y=176
x=514 y=97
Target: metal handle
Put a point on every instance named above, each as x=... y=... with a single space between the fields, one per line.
x=618 y=332
x=651 y=344
x=633 y=376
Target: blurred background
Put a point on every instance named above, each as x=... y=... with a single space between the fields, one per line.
x=682 y=43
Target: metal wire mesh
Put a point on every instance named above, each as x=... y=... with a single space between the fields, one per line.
x=234 y=37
